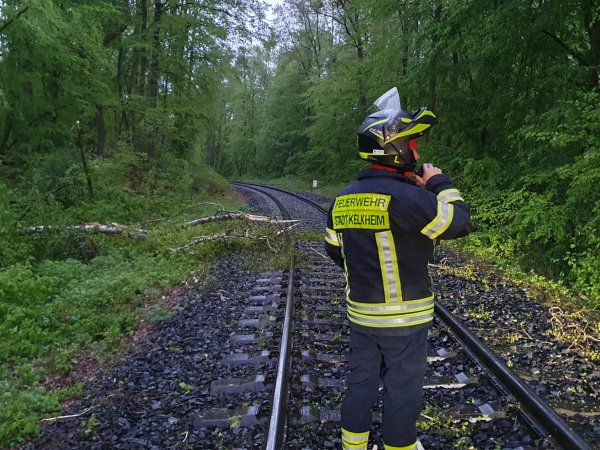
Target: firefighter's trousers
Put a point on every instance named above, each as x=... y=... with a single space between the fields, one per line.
x=400 y=361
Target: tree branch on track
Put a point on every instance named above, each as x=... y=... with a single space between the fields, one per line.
x=230 y=237
x=237 y=215
x=70 y=416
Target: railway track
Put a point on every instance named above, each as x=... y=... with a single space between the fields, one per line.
x=257 y=360
x=466 y=383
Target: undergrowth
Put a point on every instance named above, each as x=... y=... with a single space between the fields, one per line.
x=65 y=294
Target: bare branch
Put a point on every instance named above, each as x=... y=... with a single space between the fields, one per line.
x=9 y=21
x=70 y=416
x=219 y=218
x=187 y=208
x=566 y=47
x=53 y=191
x=114 y=228
x=229 y=237
x=238 y=215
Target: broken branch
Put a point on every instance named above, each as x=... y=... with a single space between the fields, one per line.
x=114 y=228
x=238 y=215
x=228 y=237
x=70 y=416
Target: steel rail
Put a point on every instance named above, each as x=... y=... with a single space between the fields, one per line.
x=278 y=419
x=292 y=194
x=542 y=418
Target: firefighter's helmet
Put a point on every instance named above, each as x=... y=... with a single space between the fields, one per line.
x=387 y=137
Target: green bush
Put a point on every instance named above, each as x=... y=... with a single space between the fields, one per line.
x=64 y=292
x=206 y=179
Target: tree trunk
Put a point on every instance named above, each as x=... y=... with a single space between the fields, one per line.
x=88 y=176
x=101 y=144
x=120 y=78
x=153 y=84
x=360 y=54
x=432 y=93
x=143 y=11
x=592 y=27
x=437 y=15
x=405 y=60
x=6 y=135
x=152 y=148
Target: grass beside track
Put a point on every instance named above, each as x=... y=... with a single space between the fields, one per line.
x=68 y=298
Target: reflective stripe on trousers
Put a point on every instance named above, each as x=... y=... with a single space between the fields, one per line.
x=354 y=441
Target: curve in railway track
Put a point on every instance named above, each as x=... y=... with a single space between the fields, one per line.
x=483 y=381
x=217 y=374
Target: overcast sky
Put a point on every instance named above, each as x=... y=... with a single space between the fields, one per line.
x=273 y=3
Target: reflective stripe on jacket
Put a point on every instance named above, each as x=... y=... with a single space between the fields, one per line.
x=381 y=229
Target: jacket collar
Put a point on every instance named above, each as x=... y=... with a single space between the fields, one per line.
x=377 y=173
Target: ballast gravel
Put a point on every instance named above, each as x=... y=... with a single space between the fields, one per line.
x=153 y=398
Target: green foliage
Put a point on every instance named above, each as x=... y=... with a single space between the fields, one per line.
x=51 y=75
x=284 y=120
x=206 y=179
x=187 y=388
x=520 y=141
x=65 y=292
x=21 y=407
x=568 y=138
x=157 y=94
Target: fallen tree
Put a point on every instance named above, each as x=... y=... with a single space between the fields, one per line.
x=237 y=215
x=94 y=227
x=141 y=234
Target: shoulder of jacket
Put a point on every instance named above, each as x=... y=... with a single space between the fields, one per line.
x=409 y=196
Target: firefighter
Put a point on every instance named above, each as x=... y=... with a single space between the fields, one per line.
x=381 y=230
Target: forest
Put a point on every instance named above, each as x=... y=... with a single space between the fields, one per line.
x=128 y=111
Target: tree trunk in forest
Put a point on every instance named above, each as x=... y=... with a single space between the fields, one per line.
x=360 y=54
x=101 y=144
x=405 y=60
x=143 y=12
x=123 y=94
x=592 y=27
x=153 y=83
x=437 y=15
x=136 y=133
x=120 y=79
x=152 y=148
x=88 y=176
x=6 y=134
x=432 y=93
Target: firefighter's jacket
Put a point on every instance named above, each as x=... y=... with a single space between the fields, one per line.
x=381 y=230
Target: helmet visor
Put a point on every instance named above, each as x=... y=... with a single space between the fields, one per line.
x=397 y=121
x=389 y=100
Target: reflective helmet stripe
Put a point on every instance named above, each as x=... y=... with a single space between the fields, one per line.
x=411 y=131
x=376 y=123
